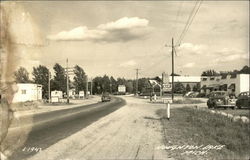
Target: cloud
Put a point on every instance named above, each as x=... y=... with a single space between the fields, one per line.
x=124 y=29
x=229 y=51
x=192 y=48
x=79 y=33
x=230 y=58
x=128 y=63
x=124 y=23
x=230 y=54
x=189 y=65
x=229 y=26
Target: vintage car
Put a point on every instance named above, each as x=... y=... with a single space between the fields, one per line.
x=191 y=94
x=243 y=100
x=106 y=97
x=221 y=99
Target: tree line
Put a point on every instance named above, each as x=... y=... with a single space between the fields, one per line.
x=100 y=84
x=244 y=70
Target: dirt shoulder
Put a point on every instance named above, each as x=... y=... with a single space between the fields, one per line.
x=132 y=132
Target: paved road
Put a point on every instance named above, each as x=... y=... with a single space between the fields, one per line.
x=49 y=128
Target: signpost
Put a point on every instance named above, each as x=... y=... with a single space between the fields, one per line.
x=167 y=101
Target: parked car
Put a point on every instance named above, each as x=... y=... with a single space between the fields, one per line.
x=221 y=99
x=201 y=95
x=191 y=94
x=243 y=100
x=106 y=97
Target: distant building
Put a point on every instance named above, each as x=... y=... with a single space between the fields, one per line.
x=234 y=83
x=28 y=92
x=186 y=80
x=56 y=96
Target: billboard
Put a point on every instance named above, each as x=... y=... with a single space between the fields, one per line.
x=121 y=88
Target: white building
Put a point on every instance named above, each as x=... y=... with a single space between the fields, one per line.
x=72 y=93
x=28 y=92
x=235 y=83
x=186 y=80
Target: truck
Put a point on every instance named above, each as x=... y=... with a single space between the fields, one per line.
x=121 y=89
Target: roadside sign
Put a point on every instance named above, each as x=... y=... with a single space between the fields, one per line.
x=54 y=99
x=167 y=100
x=167 y=87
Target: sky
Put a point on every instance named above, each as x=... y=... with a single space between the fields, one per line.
x=115 y=38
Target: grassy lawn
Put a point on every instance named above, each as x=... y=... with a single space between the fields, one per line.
x=192 y=127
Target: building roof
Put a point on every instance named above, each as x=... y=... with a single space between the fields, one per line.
x=183 y=79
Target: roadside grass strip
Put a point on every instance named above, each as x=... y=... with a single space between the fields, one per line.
x=187 y=101
x=198 y=134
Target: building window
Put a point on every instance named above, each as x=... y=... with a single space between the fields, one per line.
x=212 y=78
x=224 y=76
x=233 y=75
x=223 y=87
x=204 y=79
x=23 y=91
x=232 y=87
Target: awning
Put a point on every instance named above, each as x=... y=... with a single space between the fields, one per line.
x=213 y=86
x=232 y=86
x=223 y=87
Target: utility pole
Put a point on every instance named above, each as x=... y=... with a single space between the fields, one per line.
x=173 y=50
x=49 y=86
x=87 y=86
x=172 y=69
x=91 y=87
x=110 y=85
x=136 y=89
x=67 y=73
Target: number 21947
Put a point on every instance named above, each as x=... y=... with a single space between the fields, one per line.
x=32 y=149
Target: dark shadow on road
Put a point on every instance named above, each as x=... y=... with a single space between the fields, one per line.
x=45 y=135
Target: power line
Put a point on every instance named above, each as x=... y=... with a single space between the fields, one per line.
x=177 y=16
x=190 y=20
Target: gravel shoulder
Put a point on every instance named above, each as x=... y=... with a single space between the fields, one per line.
x=132 y=132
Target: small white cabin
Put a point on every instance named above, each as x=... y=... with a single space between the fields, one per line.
x=28 y=92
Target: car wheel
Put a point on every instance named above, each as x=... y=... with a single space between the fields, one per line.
x=214 y=106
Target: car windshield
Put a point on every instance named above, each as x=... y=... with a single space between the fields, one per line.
x=105 y=94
